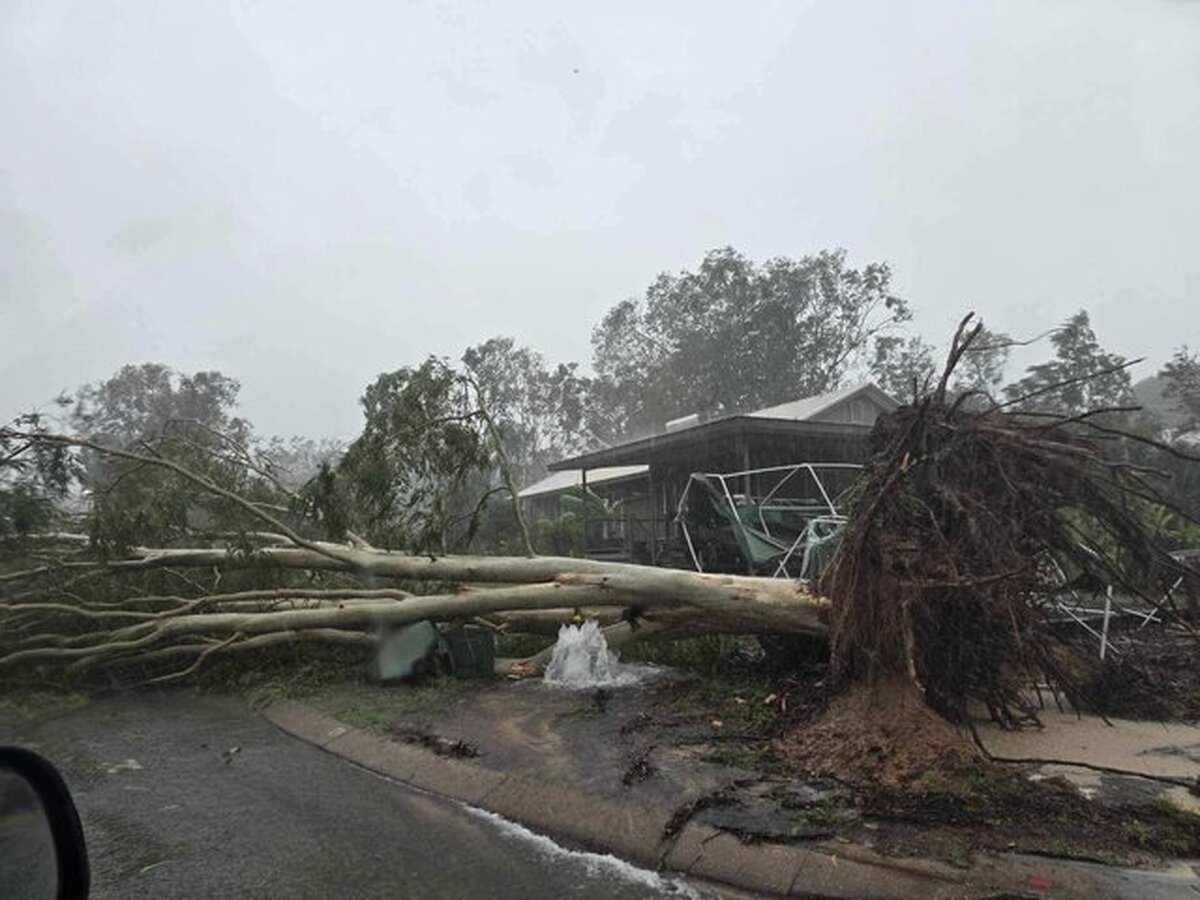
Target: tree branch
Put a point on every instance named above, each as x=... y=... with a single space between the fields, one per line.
x=199 y=480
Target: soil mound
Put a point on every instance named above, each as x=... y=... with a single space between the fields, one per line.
x=883 y=735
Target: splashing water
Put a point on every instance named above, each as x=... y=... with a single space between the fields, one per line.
x=582 y=660
x=598 y=866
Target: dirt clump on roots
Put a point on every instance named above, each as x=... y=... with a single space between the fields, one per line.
x=882 y=735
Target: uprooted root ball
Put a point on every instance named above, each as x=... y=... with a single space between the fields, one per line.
x=965 y=522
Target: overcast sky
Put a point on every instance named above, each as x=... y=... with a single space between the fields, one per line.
x=303 y=194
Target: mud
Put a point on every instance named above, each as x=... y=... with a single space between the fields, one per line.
x=709 y=749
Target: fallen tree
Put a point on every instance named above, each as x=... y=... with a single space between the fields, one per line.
x=73 y=602
x=967 y=515
x=965 y=523
x=41 y=612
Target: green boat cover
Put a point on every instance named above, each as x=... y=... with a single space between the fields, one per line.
x=764 y=549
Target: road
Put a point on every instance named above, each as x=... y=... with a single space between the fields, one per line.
x=185 y=795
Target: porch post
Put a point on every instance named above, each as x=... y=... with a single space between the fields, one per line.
x=745 y=447
x=653 y=516
x=583 y=485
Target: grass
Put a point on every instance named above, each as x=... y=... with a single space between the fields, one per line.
x=374 y=717
x=378 y=707
x=738 y=703
x=1177 y=830
x=38 y=704
x=760 y=759
x=336 y=680
x=289 y=673
x=828 y=813
x=706 y=655
x=1066 y=848
x=722 y=710
x=519 y=646
x=958 y=852
x=1173 y=809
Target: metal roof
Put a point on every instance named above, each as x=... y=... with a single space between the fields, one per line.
x=810 y=407
x=647 y=449
x=795 y=417
x=561 y=481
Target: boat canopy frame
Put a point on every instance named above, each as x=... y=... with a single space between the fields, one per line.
x=817 y=518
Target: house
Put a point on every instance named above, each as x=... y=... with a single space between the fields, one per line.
x=614 y=483
x=644 y=478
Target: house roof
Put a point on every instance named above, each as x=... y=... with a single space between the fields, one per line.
x=561 y=481
x=808 y=408
x=795 y=416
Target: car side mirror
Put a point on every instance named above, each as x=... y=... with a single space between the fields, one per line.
x=42 y=850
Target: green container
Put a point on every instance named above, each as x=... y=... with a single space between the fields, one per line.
x=472 y=651
x=405 y=652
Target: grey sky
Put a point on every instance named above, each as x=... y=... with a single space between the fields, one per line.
x=303 y=195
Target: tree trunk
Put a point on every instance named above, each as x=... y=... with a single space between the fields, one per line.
x=782 y=604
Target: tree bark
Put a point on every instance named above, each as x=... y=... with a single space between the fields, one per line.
x=778 y=601
x=541 y=592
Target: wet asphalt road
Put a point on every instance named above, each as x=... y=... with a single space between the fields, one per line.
x=170 y=809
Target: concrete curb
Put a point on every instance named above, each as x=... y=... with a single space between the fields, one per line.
x=634 y=830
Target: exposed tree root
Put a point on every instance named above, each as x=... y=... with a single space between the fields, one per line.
x=964 y=519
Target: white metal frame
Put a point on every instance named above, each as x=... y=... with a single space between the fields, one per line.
x=1080 y=612
x=830 y=513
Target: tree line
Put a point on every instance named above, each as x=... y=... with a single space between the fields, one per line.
x=444 y=440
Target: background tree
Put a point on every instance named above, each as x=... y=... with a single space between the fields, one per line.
x=537 y=410
x=404 y=481
x=430 y=458
x=143 y=402
x=192 y=418
x=1182 y=376
x=1082 y=376
x=624 y=397
x=34 y=480
x=903 y=366
x=734 y=336
x=1181 y=389
x=295 y=461
x=984 y=363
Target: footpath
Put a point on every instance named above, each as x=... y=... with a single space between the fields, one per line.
x=651 y=832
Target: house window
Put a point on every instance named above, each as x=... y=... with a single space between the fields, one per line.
x=860 y=411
